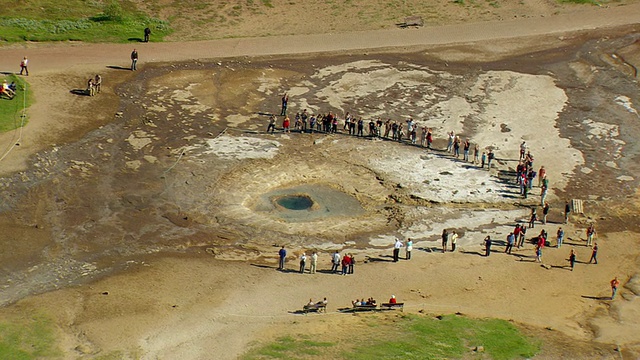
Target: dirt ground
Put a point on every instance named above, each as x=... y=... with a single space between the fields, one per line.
x=141 y=220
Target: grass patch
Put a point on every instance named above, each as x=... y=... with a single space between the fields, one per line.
x=11 y=110
x=289 y=348
x=79 y=21
x=414 y=337
x=33 y=339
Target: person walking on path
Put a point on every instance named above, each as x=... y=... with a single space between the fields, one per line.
x=454 y=239
x=567 y=211
x=282 y=254
x=560 y=236
x=572 y=259
x=303 y=262
x=396 y=250
x=147 y=33
x=134 y=60
x=487 y=246
x=314 y=262
x=285 y=102
x=614 y=287
x=594 y=254
x=445 y=239
x=335 y=262
x=591 y=233
x=24 y=66
x=408 y=247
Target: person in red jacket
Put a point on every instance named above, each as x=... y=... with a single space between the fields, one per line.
x=346 y=261
x=393 y=300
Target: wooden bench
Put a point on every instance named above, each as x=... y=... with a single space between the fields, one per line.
x=314 y=308
x=390 y=306
x=365 y=307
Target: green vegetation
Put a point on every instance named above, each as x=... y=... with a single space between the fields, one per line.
x=288 y=348
x=414 y=337
x=11 y=110
x=28 y=340
x=77 y=20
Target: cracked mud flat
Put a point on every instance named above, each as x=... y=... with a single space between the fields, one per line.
x=186 y=165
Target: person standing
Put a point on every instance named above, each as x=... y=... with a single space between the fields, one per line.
x=614 y=287
x=429 y=138
x=567 y=210
x=591 y=233
x=490 y=158
x=454 y=240
x=286 y=123
x=335 y=262
x=346 y=261
x=572 y=259
x=543 y=195
x=484 y=159
x=147 y=33
x=545 y=212
x=97 y=82
x=24 y=66
x=465 y=148
x=134 y=60
x=408 y=247
x=542 y=173
x=511 y=239
x=533 y=218
x=272 y=124
x=314 y=262
x=285 y=102
x=396 y=250
x=476 y=154
x=352 y=262
x=282 y=254
x=538 y=253
x=594 y=254
x=303 y=262
x=560 y=236
x=445 y=239
x=487 y=246
x=523 y=233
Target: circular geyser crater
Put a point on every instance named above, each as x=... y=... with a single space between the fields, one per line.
x=308 y=203
x=295 y=202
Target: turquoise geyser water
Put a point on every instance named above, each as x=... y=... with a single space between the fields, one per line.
x=308 y=203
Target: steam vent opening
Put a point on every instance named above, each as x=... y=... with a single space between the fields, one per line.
x=295 y=202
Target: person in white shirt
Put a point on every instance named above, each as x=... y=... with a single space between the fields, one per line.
x=396 y=250
x=314 y=262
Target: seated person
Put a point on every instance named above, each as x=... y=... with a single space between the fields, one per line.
x=13 y=86
x=6 y=90
x=393 y=300
x=372 y=301
x=322 y=302
x=311 y=303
